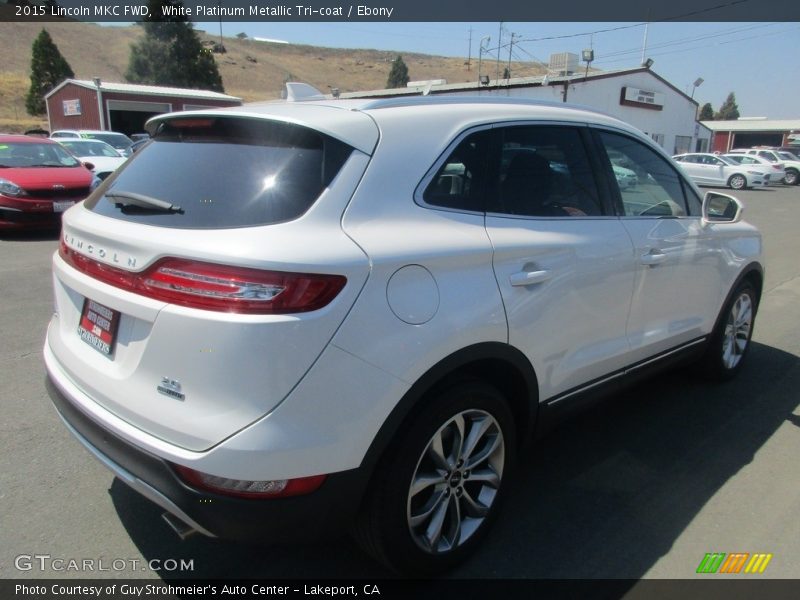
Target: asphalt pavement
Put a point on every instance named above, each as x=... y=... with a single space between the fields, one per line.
x=641 y=486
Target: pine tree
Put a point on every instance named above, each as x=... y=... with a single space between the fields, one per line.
x=706 y=113
x=728 y=111
x=170 y=53
x=48 y=69
x=398 y=76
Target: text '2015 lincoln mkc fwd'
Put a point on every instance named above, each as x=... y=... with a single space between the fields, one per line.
x=339 y=315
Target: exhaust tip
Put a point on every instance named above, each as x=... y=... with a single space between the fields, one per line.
x=182 y=529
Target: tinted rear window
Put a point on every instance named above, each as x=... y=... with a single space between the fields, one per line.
x=225 y=173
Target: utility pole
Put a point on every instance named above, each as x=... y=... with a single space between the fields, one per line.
x=499 y=45
x=469 y=50
x=510 y=49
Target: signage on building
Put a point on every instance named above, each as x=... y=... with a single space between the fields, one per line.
x=641 y=98
x=72 y=108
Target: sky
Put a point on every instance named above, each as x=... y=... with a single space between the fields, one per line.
x=756 y=61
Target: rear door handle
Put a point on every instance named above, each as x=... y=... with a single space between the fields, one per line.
x=654 y=257
x=524 y=278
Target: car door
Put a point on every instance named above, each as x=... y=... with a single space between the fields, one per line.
x=562 y=262
x=698 y=169
x=678 y=278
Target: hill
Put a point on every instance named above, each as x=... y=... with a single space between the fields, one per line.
x=250 y=69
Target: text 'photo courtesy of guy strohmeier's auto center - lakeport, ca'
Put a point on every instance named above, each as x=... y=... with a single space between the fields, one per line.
x=362 y=300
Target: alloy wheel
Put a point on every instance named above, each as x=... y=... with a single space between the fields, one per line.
x=737 y=331
x=456 y=481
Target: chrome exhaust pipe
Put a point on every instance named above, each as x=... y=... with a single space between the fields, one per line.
x=182 y=529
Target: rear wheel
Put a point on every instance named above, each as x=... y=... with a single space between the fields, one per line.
x=737 y=182
x=791 y=177
x=730 y=340
x=438 y=490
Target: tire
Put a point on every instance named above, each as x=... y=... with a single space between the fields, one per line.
x=433 y=498
x=730 y=341
x=791 y=177
x=737 y=182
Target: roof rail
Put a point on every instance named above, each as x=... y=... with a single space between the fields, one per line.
x=427 y=100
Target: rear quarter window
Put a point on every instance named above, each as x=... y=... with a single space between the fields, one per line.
x=225 y=173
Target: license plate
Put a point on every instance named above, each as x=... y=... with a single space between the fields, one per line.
x=62 y=206
x=98 y=326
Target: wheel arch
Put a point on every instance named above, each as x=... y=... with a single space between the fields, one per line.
x=752 y=273
x=495 y=363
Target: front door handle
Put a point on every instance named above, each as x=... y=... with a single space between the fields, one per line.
x=654 y=257
x=524 y=278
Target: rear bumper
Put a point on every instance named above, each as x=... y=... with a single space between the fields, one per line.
x=327 y=512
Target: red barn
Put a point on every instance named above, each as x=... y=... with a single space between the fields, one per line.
x=123 y=107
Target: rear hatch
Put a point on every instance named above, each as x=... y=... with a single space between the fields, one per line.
x=199 y=283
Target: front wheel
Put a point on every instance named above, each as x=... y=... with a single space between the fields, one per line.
x=437 y=491
x=791 y=177
x=730 y=341
x=737 y=182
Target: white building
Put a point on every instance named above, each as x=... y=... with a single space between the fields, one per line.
x=637 y=96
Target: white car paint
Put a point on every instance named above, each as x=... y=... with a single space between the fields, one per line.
x=775 y=170
x=296 y=395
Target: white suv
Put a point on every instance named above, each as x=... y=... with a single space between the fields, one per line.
x=337 y=315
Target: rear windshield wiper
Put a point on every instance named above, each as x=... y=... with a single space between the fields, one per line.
x=142 y=201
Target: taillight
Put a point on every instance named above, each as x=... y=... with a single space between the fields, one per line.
x=215 y=287
x=242 y=488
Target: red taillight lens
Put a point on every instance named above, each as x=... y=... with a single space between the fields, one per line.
x=217 y=287
x=240 y=488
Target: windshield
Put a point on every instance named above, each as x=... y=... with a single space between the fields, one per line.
x=117 y=140
x=787 y=156
x=79 y=148
x=30 y=155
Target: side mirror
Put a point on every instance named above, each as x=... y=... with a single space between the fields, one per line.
x=88 y=165
x=721 y=208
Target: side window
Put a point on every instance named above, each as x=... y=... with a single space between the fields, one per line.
x=767 y=155
x=460 y=181
x=656 y=190
x=544 y=172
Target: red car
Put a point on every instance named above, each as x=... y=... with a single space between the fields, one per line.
x=39 y=180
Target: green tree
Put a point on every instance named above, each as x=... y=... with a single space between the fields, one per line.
x=398 y=76
x=170 y=53
x=728 y=111
x=48 y=69
x=706 y=113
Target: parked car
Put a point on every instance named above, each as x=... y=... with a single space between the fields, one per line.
x=120 y=141
x=775 y=170
x=139 y=144
x=39 y=180
x=790 y=164
x=793 y=150
x=102 y=156
x=713 y=169
x=359 y=313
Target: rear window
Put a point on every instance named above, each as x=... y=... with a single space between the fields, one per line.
x=219 y=173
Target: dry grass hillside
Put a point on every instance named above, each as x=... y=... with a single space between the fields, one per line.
x=250 y=70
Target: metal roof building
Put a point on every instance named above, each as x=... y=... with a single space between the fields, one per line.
x=123 y=107
x=745 y=133
x=638 y=96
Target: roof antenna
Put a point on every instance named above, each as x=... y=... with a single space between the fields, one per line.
x=298 y=92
